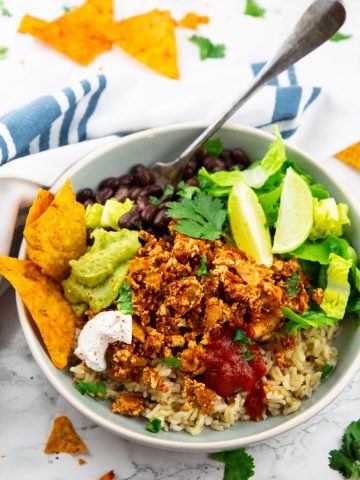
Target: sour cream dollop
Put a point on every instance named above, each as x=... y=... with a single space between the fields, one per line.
x=98 y=333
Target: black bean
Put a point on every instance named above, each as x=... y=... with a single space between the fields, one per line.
x=225 y=154
x=104 y=194
x=200 y=154
x=142 y=175
x=127 y=180
x=122 y=193
x=190 y=169
x=214 y=164
x=135 y=192
x=89 y=201
x=154 y=190
x=168 y=238
x=239 y=157
x=148 y=214
x=161 y=220
x=110 y=182
x=135 y=210
x=192 y=182
x=142 y=202
x=130 y=221
x=85 y=194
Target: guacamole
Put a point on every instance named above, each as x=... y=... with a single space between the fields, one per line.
x=96 y=277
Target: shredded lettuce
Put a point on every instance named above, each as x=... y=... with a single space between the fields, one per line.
x=329 y=218
x=337 y=291
x=319 y=191
x=275 y=157
x=305 y=320
x=319 y=250
x=93 y=214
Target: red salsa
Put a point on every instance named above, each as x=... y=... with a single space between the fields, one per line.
x=228 y=372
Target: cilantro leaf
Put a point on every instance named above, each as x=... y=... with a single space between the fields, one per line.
x=203 y=269
x=202 y=217
x=347 y=459
x=94 y=390
x=213 y=146
x=326 y=370
x=292 y=284
x=187 y=191
x=339 y=37
x=239 y=465
x=3 y=52
x=125 y=299
x=154 y=200
x=154 y=426
x=171 y=362
x=207 y=48
x=241 y=337
x=253 y=9
x=169 y=190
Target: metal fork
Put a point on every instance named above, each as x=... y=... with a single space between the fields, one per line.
x=319 y=23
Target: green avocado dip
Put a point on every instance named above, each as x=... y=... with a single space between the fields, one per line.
x=97 y=276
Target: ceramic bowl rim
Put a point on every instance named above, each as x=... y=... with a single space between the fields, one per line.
x=50 y=371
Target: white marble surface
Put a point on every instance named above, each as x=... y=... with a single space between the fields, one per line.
x=28 y=405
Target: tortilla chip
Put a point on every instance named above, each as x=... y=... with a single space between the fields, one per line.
x=150 y=38
x=63 y=438
x=80 y=34
x=43 y=297
x=350 y=155
x=192 y=21
x=108 y=476
x=41 y=203
x=58 y=235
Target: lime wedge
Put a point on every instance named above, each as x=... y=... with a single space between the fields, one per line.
x=295 y=214
x=248 y=224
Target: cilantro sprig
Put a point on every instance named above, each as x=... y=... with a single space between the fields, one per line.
x=3 y=52
x=187 y=191
x=347 y=459
x=326 y=370
x=154 y=426
x=292 y=284
x=207 y=48
x=125 y=299
x=339 y=37
x=253 y=9
x=241 y=337
x=239 y=465
x=203 y=269
x=213 y=146
x=171 y=362
x=94 y=390
x=201 y=217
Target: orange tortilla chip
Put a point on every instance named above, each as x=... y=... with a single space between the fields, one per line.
x=58 y=235
x=43 y=297
x=192 y=21
x=150 y=38
x=108 y=476
x=41 y=203
x=63 y=438
x=80 y=34
x=350 y=155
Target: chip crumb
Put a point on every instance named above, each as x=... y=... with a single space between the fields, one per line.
x=63 y=438
x=81 y=461
x=108 y=476
x=350 y=155
x=192 y=21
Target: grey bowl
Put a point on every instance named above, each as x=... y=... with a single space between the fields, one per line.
x=165 y=143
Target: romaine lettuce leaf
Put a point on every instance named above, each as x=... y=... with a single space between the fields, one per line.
x=337 y=291
x=270 y=202
x=113 y=210
x=329 y=218
x=93 y=214
x=319 y=191
x=274 y=159
x=306 y=320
